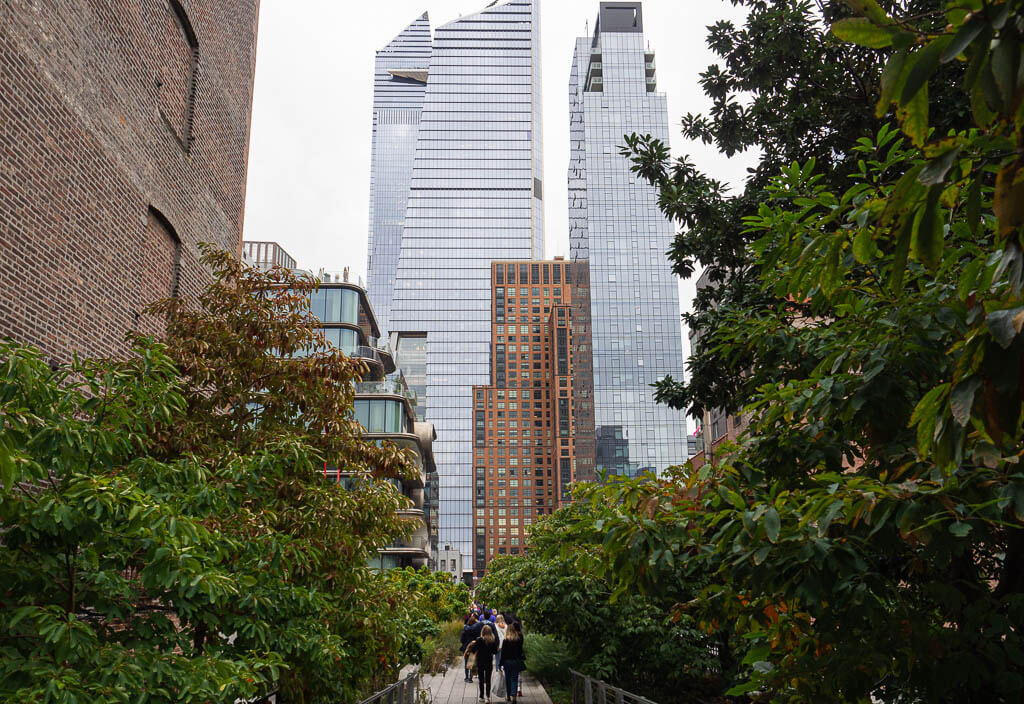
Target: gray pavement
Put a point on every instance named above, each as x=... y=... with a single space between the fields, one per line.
x=451 y=688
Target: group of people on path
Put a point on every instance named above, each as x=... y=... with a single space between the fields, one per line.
x=494 y=641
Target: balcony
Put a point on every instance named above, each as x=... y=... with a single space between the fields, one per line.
x=417 y=545
x=395 y=387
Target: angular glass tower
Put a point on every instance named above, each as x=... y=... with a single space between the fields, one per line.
x=475 y=196
x=615 y=224
x=400 y=77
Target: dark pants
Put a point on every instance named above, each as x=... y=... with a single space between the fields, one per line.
x=484 y=679
x=512 y=668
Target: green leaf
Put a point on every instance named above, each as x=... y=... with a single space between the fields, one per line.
x=1005 y=59
x=862 y=31
x=772 y=524
x=741 y=689
x=926 y=243
x=1005 y=325
x=964 y=36
x=891 y=81
x=962 y=398
x=899 y=258
x=8 y=469
x=870 y=9
x=922 y=66
x=960 y=529
x=864 y=246
x=935 y=170
x=913 y=117
x=974 y=205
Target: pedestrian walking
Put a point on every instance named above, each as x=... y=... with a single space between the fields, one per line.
x=513 y=660
x=501 y=629
x=484 y=649
x=469 y=633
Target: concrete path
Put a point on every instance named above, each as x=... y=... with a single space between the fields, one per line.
x=451 y=688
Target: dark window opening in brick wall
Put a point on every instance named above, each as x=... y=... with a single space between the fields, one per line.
x=161 y=266
x=179 y=61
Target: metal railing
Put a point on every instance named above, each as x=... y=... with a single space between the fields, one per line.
x=388 y=386
x=402 y=692
x=587 y=690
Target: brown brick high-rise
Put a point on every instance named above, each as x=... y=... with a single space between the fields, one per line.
x=124 y=136
x=528 y=422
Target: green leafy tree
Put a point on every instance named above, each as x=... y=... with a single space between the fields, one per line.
x=168 y=533
x=434 y=593
x=426 y=601
x=635 y=641
x=788 y=90
x=865 y=536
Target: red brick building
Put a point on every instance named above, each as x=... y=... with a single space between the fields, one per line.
x=526 y=422
x=124 y=137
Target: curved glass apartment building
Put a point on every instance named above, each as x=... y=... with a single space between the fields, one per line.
x=384 y=408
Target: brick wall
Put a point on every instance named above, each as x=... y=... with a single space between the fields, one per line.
x=124 y=133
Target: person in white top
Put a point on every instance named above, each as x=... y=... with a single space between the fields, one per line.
x=501 y=627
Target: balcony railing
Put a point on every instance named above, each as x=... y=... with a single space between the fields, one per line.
x=387 y=386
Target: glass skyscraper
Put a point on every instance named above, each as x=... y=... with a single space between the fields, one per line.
x=400 y=77
x=475 y=196
x=615 y=224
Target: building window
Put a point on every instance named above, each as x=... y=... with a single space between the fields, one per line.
x=178 y=54
x=160 y=267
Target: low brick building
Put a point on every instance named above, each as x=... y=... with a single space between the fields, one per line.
x=124 y=137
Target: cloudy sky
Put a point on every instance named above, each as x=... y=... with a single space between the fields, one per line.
x=309 y=163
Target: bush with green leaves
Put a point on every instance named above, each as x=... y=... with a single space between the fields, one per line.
x=168 y=534
x=866 y=535
x=634 y=641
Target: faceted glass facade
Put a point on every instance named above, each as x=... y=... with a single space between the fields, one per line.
x=615 y=224
x=475 y=197
x=399 y=84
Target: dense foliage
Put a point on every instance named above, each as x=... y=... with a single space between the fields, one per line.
x=787 y=90
x=429 y=600
x=631 y=639
x=168 y=533
x=866 y=536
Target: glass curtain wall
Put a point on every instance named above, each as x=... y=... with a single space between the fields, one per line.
x=476 y=196
x=400 y=75
x=615 y=224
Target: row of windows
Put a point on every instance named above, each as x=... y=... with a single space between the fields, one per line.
x=382 y=416
x=335 y=305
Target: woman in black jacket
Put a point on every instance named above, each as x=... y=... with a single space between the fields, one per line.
x=469 y=632
x=513 y=659
x=485 y=647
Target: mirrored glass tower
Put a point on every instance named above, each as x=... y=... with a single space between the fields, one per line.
x=615 y=224
x=400 y=78
x=475 y=196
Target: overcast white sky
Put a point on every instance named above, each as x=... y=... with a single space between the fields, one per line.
x=309 y=157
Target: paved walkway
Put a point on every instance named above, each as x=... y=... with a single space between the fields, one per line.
x=451 y=688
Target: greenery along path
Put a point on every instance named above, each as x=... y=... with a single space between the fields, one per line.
x=451 y=688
